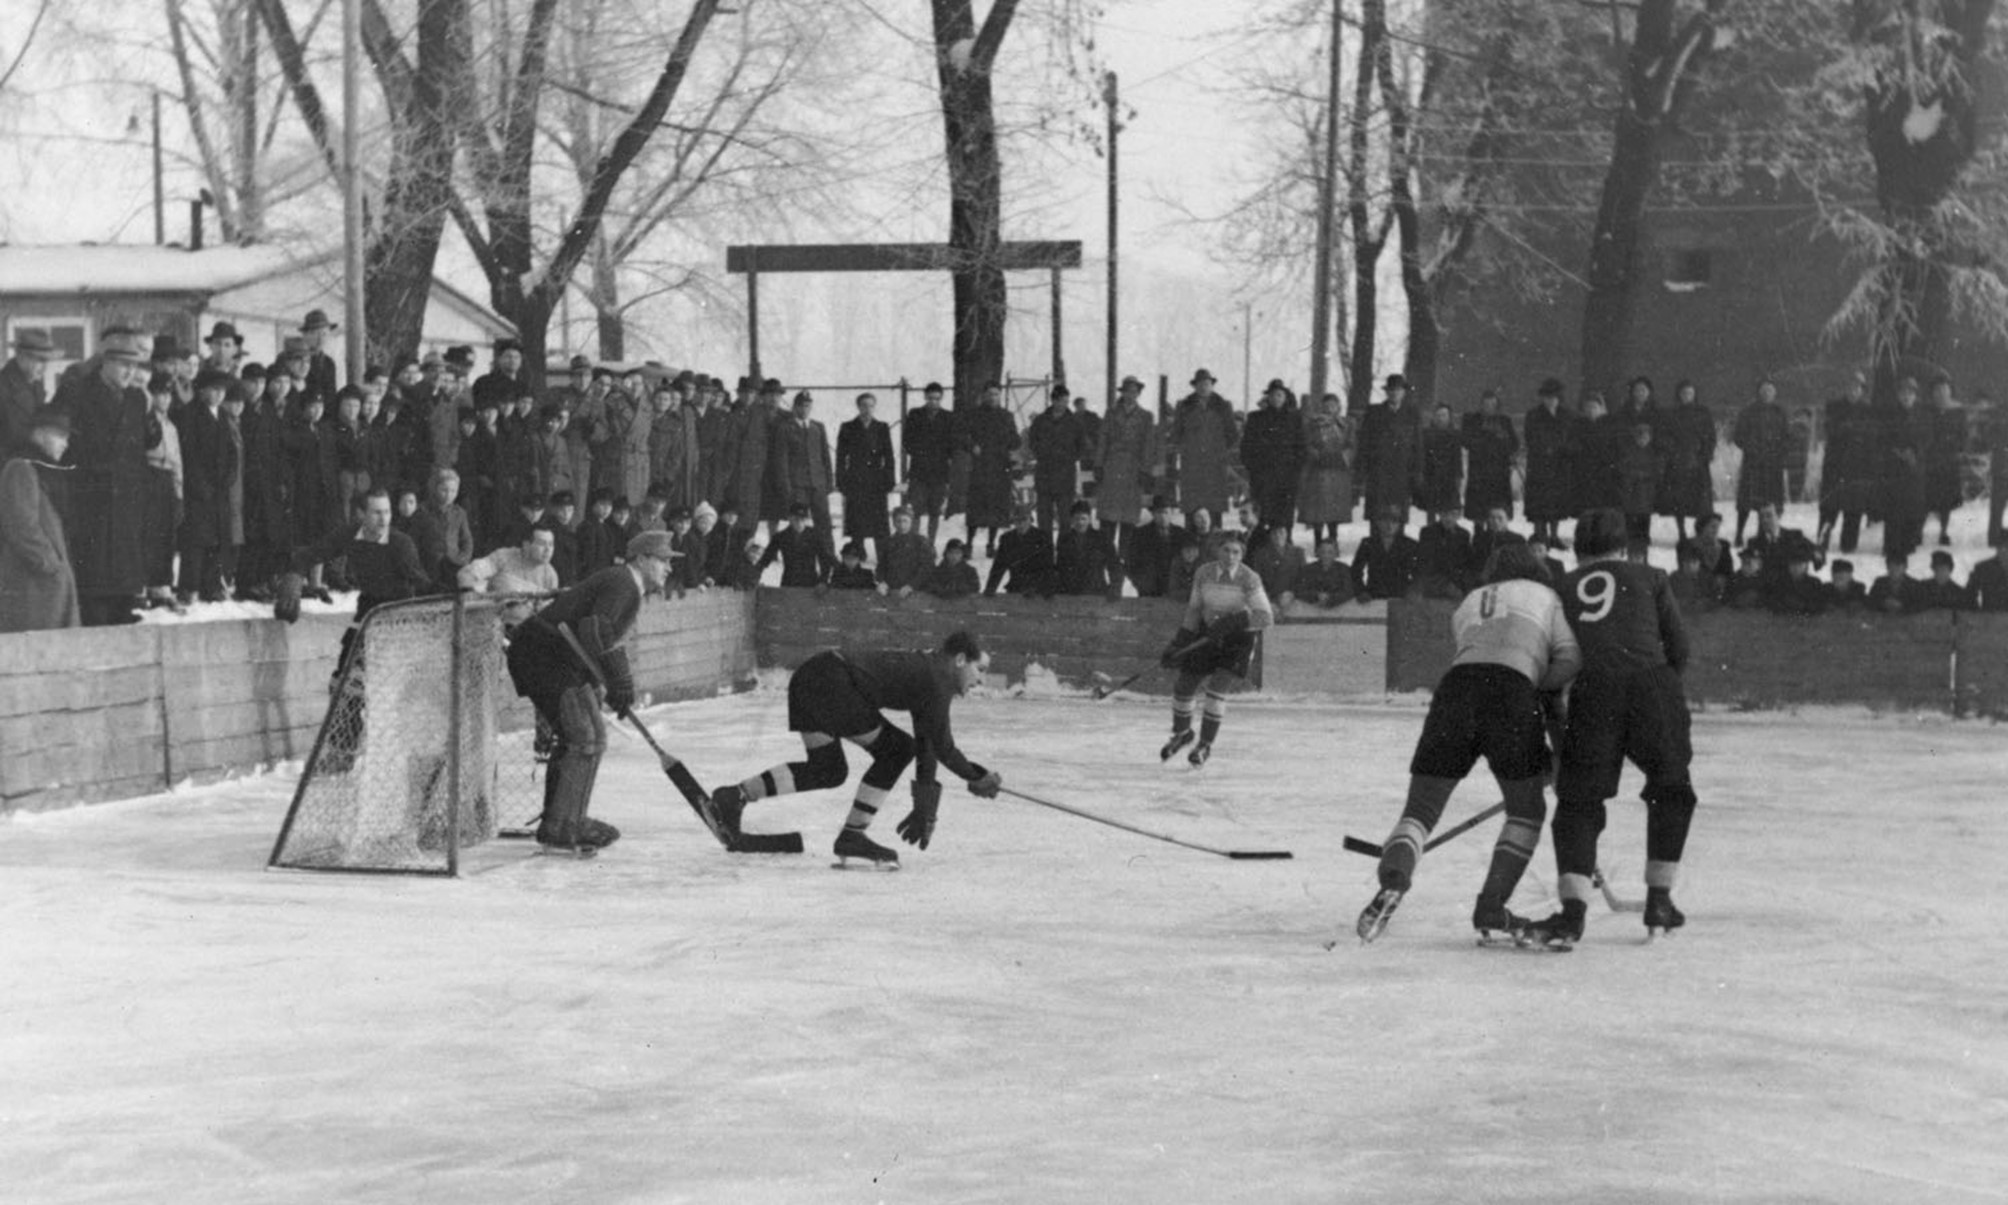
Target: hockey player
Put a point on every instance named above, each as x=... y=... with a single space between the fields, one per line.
x=383 y=564
x=1626 y=703
x=840 y=696
x=598 y=613
x=1212 y=647
x=1512 y=645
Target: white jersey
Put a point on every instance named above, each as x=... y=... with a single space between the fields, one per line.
x=1216 y=592
x=1520 y=625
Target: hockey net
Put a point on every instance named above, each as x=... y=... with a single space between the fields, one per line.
x=424 y=752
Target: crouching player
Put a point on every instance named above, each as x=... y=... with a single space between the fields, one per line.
x=1213 y=645
x=1627 y=703
x=1512 y=645
x=838 y=696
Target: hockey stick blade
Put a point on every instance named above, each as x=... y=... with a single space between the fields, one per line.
x=1356 y=846
x=1102 y=692
x=1239 y=855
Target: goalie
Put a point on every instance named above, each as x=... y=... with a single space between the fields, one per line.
x=599 y=612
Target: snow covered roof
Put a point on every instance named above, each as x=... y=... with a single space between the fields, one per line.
x=125 y=268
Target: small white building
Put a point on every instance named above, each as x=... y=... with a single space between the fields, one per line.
x=74 y=292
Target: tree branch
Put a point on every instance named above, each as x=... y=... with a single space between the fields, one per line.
x=293 y=65
x=990 y=38
x=27 y=42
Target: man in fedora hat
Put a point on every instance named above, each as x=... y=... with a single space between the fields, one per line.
x=1390 y=451
x=928 y=439
x=992 y=438
x=1127 y=461
x=111 y=432
x=320 y=376
x=1273 y=451
x=22 y=389
x=38 y=589
x=1054 y=439
x=1202 y=435
x=226 y=348
x=501 y=380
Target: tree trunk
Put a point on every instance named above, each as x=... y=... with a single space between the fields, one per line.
x=1367 y=241
x=418 y=193
x=964 y=56
x=250 y=188
x=605 y=293
x=1661 y=61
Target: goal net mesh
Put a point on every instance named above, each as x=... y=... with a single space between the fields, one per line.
x=400 y=778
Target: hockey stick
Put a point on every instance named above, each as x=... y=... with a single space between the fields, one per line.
x=682 y=779
x=1612 y=899
x=1356 y=846
x=1264 y=855
x=1103 y=692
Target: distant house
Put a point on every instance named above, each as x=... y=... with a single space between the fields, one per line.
x=75 y=292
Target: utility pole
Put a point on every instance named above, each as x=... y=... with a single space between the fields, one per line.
x=1248 y=352
x=1328 y=183
x=1059 y=355
x=357 y=344
x=159 y=185
x=1115 y=128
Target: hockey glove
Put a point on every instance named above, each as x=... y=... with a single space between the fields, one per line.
x=1227 y=626
x=286 y=607
x=1181 y=644
x=918 y=827
x=986 y=784
x=620 y=681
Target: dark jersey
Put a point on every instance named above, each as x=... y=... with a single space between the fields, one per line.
x=386 y=572
x=1623 y=615
x=921 y=683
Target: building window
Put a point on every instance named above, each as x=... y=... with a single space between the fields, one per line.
x=1690 y=269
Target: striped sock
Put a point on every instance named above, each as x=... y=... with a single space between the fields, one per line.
x=1181 y=713
x=1400 y=853
x=1509 y=857
x=1214 y=712
x=777 y=781
x=1575 y=887
x=864 y=807
x=1661 y=874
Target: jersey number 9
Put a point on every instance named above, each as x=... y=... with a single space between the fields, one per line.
x=1598 y=593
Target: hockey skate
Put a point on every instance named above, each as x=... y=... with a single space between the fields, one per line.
x=1661 y=917
x=1374 y=917
x=1496 y=924
x=852 y=843
x=1562 y=930
x=1200 y=753
x=1178 y=741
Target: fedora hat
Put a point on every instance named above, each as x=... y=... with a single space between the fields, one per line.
x=317 y=320
x=1130 y=383
x=34 y=344
x=223 y=330
x=1203 y=375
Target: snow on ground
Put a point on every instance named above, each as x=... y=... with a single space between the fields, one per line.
x=1038 y=1008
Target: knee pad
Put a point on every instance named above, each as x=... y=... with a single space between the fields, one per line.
x=825 y=768
x=891 y=753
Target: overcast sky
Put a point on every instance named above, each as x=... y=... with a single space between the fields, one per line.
x=77 y=168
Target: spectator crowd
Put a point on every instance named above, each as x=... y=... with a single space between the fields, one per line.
x=157 y=475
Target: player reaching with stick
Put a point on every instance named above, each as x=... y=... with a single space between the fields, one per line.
x=1512 y=644
x=838 y=696
x=1213 y=645
x=1627 y=703
x=599 y=612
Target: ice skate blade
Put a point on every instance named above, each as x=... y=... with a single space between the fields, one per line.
x=1496 y=940
x=844 y=863
x=582 y=853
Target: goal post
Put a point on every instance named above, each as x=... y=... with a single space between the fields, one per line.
x=424 y=751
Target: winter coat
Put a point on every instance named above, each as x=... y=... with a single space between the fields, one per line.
x=637 y=469
x=1596 y=449
x=751 y=432
x=1203 y=436
x=1943 y=489
x=865 y=476
x=1549 y=491
x=1152 y=550
x=672 y=449
x=1684 y=433
x=905 y=561
x=479 y=458
x=268 y=481
x=38 y=587
x=1905 y=441
x=613 y=415
x=1640 y=472
x=1491 y=445
x=800 y=463
x=1279 y=570
x=1442 y=470
x=1386 y=570
x=1443 y=561
x=442 y=424
x=21 y=395
x=1127 y=460
x=1023 y=564
x=1054 y=439
x=1390 y=458
x=209 y=468
x=1325 y=495
x=315 y=474
x=1273 y=451
x=554 y=466
x=992 y=435
x=516 y=464
x=1084 y=563
x=800 y=551
x=111 y=432
x=714 y=466
x=928 y=437
x=1762 y=432
x=1850 y=472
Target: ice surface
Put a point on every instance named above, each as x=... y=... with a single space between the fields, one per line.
x=1038 y=1008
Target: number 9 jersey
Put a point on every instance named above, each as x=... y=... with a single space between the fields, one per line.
x=1623 y=615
